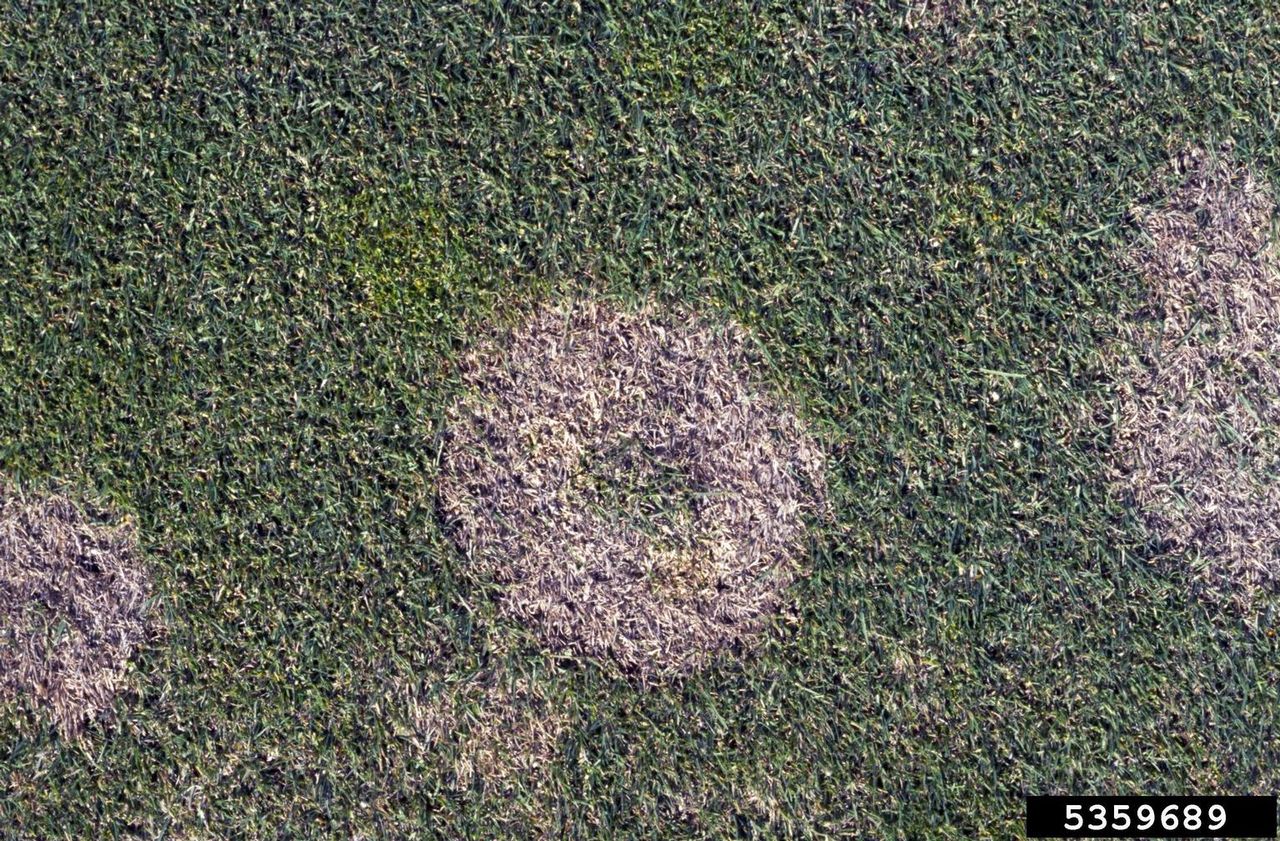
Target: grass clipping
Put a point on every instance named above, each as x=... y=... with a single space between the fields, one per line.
x=624 y=479
x=72 y=594
x=1198 y=425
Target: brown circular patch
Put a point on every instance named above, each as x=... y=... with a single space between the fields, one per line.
x=72 y=592
x=1198 y=418
x=622 y=474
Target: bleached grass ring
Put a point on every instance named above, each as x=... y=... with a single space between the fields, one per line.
x=627 y=481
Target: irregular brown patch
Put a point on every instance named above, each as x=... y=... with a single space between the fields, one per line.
x=502 y=727
x=72 y=596
x=1198 y=421
x=625 y=478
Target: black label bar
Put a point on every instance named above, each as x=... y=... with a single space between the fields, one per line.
x=1151 y=817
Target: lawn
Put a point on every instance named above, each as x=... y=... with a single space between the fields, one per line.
x=241 y=249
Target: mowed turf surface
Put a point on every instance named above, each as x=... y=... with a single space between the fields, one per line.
x=241 y=248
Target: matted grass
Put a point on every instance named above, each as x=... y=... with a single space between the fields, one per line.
x=629 y=482
x=1198 y=434
x=243 y=246
x=73 y=597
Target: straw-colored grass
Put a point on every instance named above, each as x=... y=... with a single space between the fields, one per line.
x=627 y=480
x=72 y=599
x=496 y=726
x=1197 y=426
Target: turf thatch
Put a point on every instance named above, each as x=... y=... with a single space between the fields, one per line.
x=1197 y=426
x=72 y=597
x=627 y=480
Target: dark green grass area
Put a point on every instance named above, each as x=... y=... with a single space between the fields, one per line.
x=239 y=248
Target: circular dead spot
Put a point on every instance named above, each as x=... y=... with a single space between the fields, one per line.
x=72 y=597
x=1198 y=415
x=625 y=477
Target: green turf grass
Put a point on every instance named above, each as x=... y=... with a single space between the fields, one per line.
x=239 y=249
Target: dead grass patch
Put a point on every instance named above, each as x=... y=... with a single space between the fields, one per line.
x=499 y=726
x=624 y=477
x=1198 y=417
x=72 y=598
